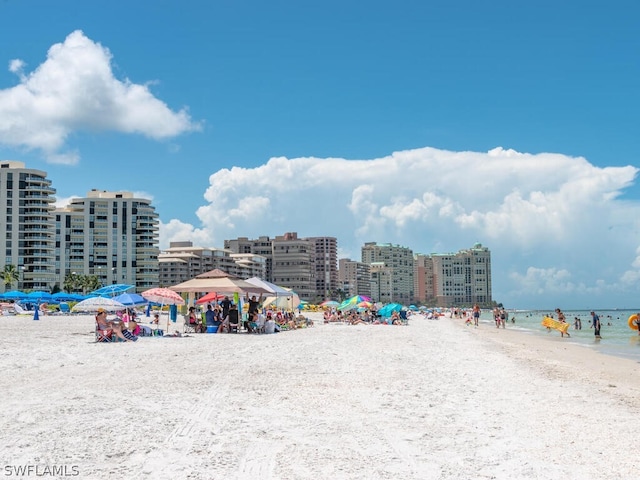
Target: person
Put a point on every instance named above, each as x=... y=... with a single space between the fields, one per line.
x=562 y=318
x=595 y=323
x=253 y=305
x=476 y=314
x=577 y=323
x=192 y=318
x=232 y=320
x=637 y=322
x=226 y=305
x=113 y=327
x=209 y=315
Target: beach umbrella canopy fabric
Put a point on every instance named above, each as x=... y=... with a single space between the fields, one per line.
x=92 y=304
x=15 y=295
x=273 y=289
x=130 y=299
x=114 y=289
x=212 y=297
x=219 y=282
x=163 y=296
x=290 y=302
x=352 y=302
x=329 y=303
x=39 y=296
x=388 y=309
x=65 y=297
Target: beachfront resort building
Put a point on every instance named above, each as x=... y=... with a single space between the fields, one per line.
x=391 y=272
x=423 y=280
x=27 y=230
x=354 y=278
x=112 y=235
x=183 y=261
x=308 y=266
x=462 y=278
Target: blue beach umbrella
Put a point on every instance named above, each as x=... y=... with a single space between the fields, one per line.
x=112 y=289
x=15 y=295
x=39 y=296
x=131 y=299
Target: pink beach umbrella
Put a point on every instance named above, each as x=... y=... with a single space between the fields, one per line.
x=163 y=296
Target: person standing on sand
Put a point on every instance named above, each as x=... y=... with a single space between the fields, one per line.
x=476 y=314
x=595 y=323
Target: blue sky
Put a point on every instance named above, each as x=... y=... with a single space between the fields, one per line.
x=432 y=125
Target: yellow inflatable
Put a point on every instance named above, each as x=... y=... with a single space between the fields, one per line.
x=555 y=324
x=632 y=321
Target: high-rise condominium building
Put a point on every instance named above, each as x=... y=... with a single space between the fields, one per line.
x=27 y=230
x=308 y=266
x=112 y=235
x=463 y=278
x=326 y=254
x=398 y=263
x=354 y=278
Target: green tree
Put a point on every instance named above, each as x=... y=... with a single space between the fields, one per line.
x=90 y=283
x=10 y=275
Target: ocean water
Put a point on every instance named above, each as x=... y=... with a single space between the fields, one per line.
x=617 y=338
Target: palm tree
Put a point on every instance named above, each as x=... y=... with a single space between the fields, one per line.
x=10 y=275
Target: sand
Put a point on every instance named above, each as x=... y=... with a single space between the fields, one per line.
x=432 y=400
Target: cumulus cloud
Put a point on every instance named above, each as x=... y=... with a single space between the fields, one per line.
x=555 y=224
x=75 y=90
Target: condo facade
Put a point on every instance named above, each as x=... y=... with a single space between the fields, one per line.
x=27 y=230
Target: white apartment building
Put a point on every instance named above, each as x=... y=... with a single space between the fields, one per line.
x=27 y=228
x=400 y=262
x=463 y=278
x=112 y=235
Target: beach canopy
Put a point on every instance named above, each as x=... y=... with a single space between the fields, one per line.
x=218 y=281
x=14 y=295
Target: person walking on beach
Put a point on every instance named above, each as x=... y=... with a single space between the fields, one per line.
x=562 y=318
x=476 y=314
x=595 y=323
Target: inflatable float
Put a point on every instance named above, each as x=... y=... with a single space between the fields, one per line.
x=555 y=324
x=632 y=321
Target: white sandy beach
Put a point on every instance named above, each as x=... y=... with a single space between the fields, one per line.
x=434 y=400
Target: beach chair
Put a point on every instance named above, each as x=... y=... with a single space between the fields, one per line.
x=187 y=327
x=104 y=335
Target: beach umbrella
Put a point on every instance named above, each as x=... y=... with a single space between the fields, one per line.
x=212 y=297
x=352 y=302
x=388 y=309
x=65 y=297
x=92 y=304
x=112 y=290
x=131 y=299
x=329 y=303
x=15 y=295
x=163 y=296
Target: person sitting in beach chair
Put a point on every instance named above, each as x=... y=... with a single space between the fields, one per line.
x=108 y=331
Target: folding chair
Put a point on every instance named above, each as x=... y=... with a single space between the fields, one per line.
x=188 y=328
x=104 y=335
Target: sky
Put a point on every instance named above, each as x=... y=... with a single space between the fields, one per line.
x=430 y=125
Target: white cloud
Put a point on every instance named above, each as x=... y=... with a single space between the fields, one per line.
x=555 y=224
x=74 y=90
